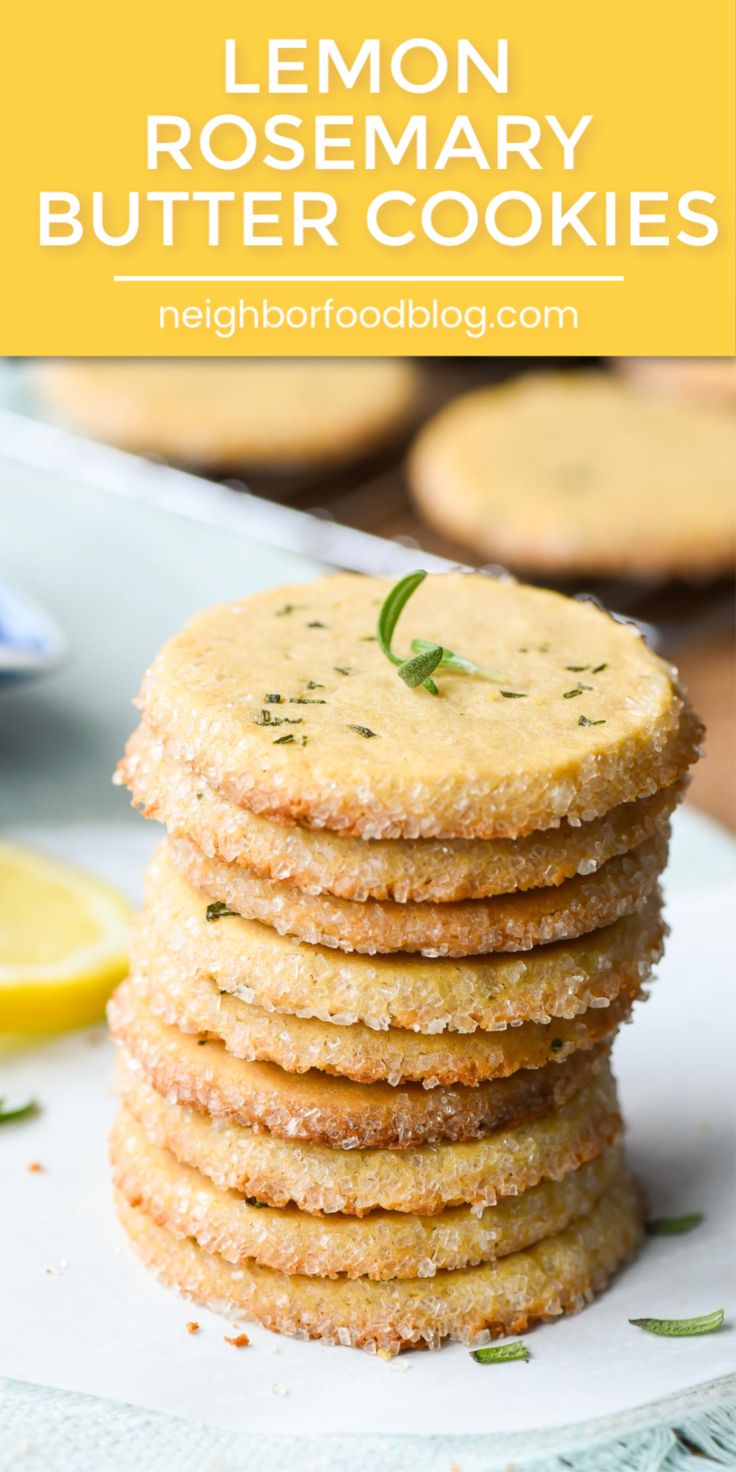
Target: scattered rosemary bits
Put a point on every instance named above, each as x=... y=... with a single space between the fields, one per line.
x=674 y=1226
x=586 y=721
x=682 y=1328
x=217 y=909
x=22 y=1111
x=501 y=1354
x=363 y=730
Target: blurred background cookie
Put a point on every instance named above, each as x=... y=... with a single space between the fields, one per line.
x=580 y=474
x=708 y=380
x=226 y=414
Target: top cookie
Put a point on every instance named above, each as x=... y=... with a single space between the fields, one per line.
x=286 y=705
x=225 y=414
x=581 y=473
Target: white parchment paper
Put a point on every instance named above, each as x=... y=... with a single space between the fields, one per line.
x=80 y=1313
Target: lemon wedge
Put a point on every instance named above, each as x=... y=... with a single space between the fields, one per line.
x=63 y=942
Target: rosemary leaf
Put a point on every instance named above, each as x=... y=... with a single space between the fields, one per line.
x=21 y=1111
x=452 y=661
x=500 y=1354
x=674 y=1226
x=363 y=730
x=680 y=1328
x=417 y=670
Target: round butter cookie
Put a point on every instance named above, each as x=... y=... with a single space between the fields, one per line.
x=224 y=414
x=514 y=922
x=298 y=1044
x=397 y=869
x=581 y=474
x=427 y=995
x=423 y=1179
x=326 y=1110
x=286 y=705
x=382 y=1246
x=705 y=380
x=558 y=1275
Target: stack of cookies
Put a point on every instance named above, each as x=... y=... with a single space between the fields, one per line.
x=386 y=946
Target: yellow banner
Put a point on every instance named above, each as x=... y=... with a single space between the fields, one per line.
x=522 y=178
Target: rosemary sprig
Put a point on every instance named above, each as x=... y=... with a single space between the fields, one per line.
x=680 y=1328
x=500 y=1354
x=428 y=655
x=389 y=615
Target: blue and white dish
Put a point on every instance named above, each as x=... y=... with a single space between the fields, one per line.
x=30 y=641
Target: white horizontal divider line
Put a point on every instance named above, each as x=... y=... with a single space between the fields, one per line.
x=336 y=280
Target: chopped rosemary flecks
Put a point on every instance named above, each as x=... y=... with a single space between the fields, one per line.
x=681 y=1328
x=199 y=796
x=316 y=624
x=585 y=721
x=513 y=694
x=288 y=608
x=500 y=1354
x=314 y=685
x=266 y=719
x=343 y=669
x=21 y=1111
x=597 y=669
x=556 y=1044
x=674 y=1226
x=284 y=740
x=305 y=700
x=217 y=909
x=273 y=699
x=367 y=639
x=577 y=669
x=363 y=730
x=570 y=694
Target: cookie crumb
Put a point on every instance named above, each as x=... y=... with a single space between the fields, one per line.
x=238 y=1340
x=192 y=1327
